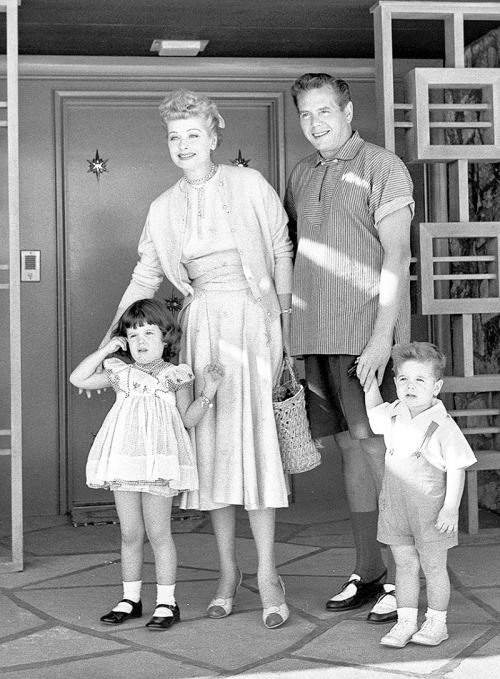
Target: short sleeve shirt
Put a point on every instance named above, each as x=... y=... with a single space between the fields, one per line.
x=447 y=448
x=337 y=206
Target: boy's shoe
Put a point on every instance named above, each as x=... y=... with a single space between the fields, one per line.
x=400 y=634
x=432 y=633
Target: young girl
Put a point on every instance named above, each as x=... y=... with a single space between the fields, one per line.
x=142 y=451
x=424 y=478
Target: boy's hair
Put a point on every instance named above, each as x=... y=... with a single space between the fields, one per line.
x=424 y=352
x=150 y=312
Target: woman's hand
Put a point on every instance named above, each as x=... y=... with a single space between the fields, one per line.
x=213 y=375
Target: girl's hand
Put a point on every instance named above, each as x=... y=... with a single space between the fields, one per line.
x=108 y=348
x=213 y=375
x=447 y=521
x=114 y=344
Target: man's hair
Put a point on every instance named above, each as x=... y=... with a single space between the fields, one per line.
x=313 y=81
x=423 y=352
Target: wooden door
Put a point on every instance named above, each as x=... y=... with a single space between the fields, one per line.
x=102 y=215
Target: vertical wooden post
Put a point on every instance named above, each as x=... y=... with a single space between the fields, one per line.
x=384 y=76
x=14 y=287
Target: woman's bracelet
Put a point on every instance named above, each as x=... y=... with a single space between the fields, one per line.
x=205 y=401
x=286 y=311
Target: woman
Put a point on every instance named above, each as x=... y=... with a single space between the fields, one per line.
x=220 y=236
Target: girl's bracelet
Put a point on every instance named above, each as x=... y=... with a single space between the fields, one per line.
x=205 y=401
x=286 y=311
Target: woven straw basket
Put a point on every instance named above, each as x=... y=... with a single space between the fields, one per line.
x=298 y=452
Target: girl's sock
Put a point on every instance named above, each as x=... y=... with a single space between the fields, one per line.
x=437 y=615
x=164 y=595
x=132 y=591
x=408 y=614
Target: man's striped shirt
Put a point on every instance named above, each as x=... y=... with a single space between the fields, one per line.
x=334 y=209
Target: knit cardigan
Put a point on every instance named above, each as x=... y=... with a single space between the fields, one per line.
x=256 y=220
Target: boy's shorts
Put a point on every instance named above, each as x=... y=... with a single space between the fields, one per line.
x=336 y=402
x=412 y=496
x=418 y=532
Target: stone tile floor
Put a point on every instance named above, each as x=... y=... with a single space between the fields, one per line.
x=50 y=629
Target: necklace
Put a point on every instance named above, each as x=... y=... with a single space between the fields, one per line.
x=199 y=186
x=209 y=175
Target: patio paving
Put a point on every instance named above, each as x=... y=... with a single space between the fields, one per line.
x=50 y=625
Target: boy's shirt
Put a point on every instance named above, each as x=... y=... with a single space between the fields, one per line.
x=447 y=448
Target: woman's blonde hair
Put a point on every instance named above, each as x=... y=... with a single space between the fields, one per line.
x=183 y=104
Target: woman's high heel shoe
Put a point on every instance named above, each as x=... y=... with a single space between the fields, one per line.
x=221 y=608
x=275 y=616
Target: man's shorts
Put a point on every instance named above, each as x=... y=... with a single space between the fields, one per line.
x=336 y=402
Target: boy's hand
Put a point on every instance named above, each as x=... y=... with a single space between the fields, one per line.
x=213 y=376
x=447 y=521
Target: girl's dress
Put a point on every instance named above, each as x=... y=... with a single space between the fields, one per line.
x=236 y=442
x=142 y=444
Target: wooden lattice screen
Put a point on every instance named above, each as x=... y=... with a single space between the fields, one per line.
x=428 y=116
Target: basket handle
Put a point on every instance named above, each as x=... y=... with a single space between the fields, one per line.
x=286 y=364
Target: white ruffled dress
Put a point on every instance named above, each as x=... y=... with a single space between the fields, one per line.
x=142 y=444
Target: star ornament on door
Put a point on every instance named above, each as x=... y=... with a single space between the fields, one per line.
x=240 y=161
x=97 y=165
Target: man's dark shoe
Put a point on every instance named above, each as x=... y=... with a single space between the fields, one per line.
x=359 y=593
x=385 y=610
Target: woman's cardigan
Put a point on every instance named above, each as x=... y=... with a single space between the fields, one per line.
x=256 y=220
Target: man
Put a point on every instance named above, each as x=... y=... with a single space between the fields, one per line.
x=350 y=206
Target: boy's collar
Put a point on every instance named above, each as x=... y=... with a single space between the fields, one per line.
x=436 y=411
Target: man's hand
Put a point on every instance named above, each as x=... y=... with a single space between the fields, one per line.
x=372 y=363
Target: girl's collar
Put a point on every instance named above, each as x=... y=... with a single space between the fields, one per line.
x=151 y=367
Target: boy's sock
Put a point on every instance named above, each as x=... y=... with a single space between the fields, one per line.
x=408 y=614
x=437 y=615
x=131 y=591
x=164 y=595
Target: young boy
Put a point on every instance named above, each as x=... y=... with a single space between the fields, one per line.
x=423 y=483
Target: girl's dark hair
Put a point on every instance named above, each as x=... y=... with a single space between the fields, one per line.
x=151 y=312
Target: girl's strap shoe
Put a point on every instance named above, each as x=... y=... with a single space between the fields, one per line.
x=165 y=621
x=118 y=617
